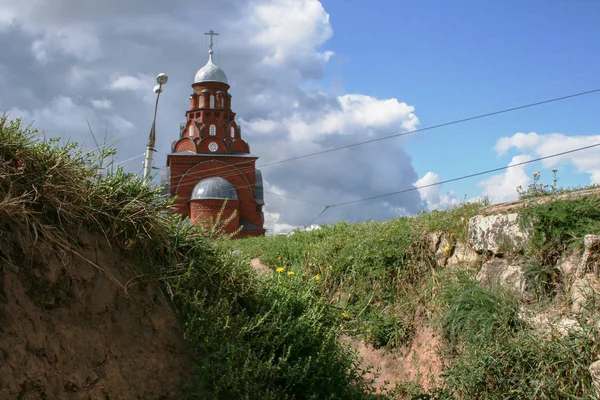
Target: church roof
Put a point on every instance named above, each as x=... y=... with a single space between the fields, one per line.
x=214 y=188
x=210 y=72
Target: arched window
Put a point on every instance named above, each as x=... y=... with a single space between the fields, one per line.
x=212 y=101
x=232 y=132
x=213 y=130
x=191 y=131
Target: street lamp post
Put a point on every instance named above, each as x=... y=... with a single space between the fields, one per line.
x=161 y=79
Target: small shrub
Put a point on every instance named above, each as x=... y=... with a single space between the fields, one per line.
x=387 y=330
x=556 y=226
x=524 y=366
x=476 y=314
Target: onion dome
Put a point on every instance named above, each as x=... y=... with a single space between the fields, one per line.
x=214 y=188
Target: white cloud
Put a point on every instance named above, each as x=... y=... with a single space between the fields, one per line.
x=274 y=53
x=288 y=29
x=355 y=115
x=503 y=187
x=543 y=145
x=134 y=83
x=431 y=194
x=64 y=114
x=78 y=41
x=102 y=104
x=263 y=126
x=274 y=226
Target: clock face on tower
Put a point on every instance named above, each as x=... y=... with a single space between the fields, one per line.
x=213 y=147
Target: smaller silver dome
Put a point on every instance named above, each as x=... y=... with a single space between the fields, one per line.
x=214 y=188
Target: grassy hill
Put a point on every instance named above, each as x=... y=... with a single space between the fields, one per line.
x=292 y=333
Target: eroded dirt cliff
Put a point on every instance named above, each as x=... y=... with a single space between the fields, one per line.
x=69 y=330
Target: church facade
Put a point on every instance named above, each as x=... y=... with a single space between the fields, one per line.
x=210 y=165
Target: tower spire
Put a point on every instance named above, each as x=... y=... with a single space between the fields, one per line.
x=211 y=33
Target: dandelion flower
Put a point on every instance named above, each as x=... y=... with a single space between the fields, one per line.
x=447 y=249
x=290 y=272
x=279 y=270
x=317 y=277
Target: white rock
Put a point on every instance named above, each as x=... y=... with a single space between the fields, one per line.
x=567 y=325
x=583 y=290
x=594 y=369
x=590 y=259
x=568 y=266
x=499 y=272
x=443 y=251
x=463 y=254
x=496 y=233
x=433 y=241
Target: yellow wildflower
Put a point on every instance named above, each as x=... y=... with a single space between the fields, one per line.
x=447 y=249
x=290 y=272
x=345 y=315
x=279 y=270
x=330 y=267
x=317 y=277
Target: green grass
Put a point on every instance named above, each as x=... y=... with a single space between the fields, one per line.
x=253 y=339
x=277 y=336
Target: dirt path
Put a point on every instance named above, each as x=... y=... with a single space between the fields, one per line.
x=259 y=267
x=419 y=363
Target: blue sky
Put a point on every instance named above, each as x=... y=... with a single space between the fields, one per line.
x=458 y=59
x=308 y=75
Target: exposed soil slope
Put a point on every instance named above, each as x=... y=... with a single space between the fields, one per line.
x=67 y=331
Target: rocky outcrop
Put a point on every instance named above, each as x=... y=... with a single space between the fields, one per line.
x=449 y=252
x=496 y=234
x=590 y=259
x=463 y=254
x=499 y=272
x=583 y=292
x=594 y=370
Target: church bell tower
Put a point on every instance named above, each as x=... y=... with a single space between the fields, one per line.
x=210 y=164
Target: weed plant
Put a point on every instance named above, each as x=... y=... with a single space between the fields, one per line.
x=252 y=339
x=276 y=336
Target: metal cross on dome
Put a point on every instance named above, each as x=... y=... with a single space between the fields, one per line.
x=211 y=33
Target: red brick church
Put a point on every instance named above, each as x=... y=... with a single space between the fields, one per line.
x=210 y=164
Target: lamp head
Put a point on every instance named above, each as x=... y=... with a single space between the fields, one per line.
x=162 y=78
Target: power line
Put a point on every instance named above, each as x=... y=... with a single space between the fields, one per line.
x=254 y=185
x=504 y=111
x=297 y=199
x=430 y=127
x=394 y=136
x=451 y=180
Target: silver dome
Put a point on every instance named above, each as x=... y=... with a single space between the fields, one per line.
x=210 y=72
x=214 y=188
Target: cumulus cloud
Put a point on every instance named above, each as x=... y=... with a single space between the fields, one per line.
x=543 y=145
x=134 y=83
x=503 y=187
x=102 y=104
x=290 y=31
x=79 y=61
x=431 y=194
